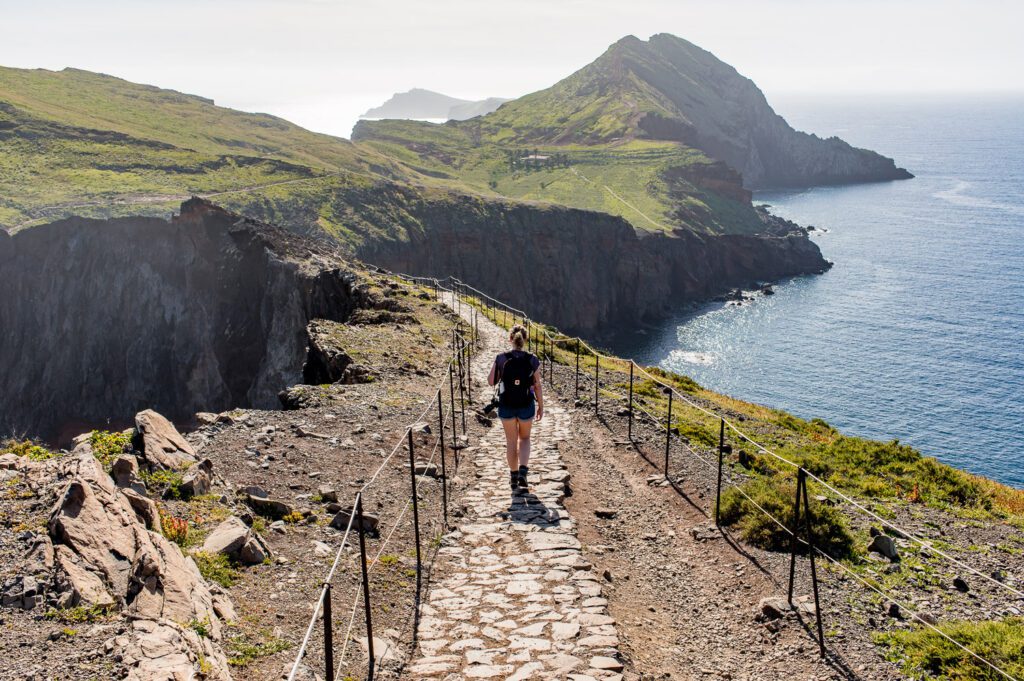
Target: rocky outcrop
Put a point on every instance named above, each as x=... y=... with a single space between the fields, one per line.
x=126 y=563
x=203 y=312
x=584 y=271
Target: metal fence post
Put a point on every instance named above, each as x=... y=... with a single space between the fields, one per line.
x=721 y=454
x=795 y=530
x=469 y=374
x=366 y=586
x=809 y=526
x=577 y=368
x=451 y=390
x=444 y=472
x=328 y=634
x=668 y=429
x=630 y=431
x=597 y=382
x=415 y=511
x=462 y=395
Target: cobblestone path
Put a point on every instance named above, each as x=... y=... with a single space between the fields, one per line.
x=517 y=600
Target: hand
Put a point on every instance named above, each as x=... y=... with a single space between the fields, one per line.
x=540 y=412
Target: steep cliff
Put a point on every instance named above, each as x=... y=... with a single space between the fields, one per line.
x=586 y=272
x=207 y=311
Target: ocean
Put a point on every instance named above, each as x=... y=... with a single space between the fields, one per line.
x=917 y=333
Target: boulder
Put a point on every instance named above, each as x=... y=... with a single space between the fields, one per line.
x=772 y=608
x=421 y=427
x=196 y=480
x=327 y=493
x=205 y=418
x=161 y=444
x=884 y=545
x=125 y=472
x=341 y=519
x=430 y=470
x=238 y=541
x=960 y=584
x=267 y=507
x=22 y=592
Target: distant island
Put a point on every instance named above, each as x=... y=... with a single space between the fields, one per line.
x=419 y=103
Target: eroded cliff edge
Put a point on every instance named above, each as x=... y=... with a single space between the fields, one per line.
x=584 y=271
x=207 y=311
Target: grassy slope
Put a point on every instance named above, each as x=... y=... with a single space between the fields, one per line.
x=85 y=143
x=624 y=177
x=90 y=144
x=593 y=117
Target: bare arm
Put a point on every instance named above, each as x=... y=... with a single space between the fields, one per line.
x=492 y=378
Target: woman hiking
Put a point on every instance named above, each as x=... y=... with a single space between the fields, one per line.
x=520 y=398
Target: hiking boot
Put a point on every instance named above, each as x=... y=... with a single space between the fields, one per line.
x=523 y=485
x=513 y=481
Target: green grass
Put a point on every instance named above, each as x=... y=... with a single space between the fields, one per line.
x=831 y=533
x=924 y=654
x=216 y=567
x=243 y=651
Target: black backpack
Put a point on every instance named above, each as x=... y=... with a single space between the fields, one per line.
x=516 y=380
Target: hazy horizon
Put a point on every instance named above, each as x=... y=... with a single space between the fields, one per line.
x=321 y=63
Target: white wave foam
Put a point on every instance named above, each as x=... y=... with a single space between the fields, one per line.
x=692 y=357
x=957 y=196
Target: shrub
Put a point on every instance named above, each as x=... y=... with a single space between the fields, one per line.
x=925 y=654
x=174 y=528
x=293 y=517
x=201 y=627
x=216 y=567
x=164 y=481
x=107 y=446
x=28 y=449
x=776 y=496
x=76 y=615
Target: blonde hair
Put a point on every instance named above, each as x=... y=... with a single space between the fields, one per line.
x=518 y=336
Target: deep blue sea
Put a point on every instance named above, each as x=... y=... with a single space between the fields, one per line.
x=917 y=333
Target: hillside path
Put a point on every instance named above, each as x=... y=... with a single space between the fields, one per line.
x=517 y=600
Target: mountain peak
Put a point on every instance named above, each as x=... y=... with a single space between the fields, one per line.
x=667 y=88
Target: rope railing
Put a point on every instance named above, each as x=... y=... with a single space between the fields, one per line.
x=551 y=342
x=455 y=371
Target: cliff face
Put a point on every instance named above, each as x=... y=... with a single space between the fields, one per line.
x=586 y=272
x=100 y=319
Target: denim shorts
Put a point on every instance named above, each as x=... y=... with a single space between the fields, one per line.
x=522 y=413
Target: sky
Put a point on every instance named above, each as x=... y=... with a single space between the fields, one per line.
x=320 y=63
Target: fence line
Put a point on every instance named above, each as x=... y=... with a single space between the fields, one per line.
x=560 y=340
x=460 y=357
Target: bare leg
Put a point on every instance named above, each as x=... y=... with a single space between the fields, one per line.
x=511 y=437
x=524 y=442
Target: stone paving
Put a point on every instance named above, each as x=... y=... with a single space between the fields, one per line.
x=517 y=600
